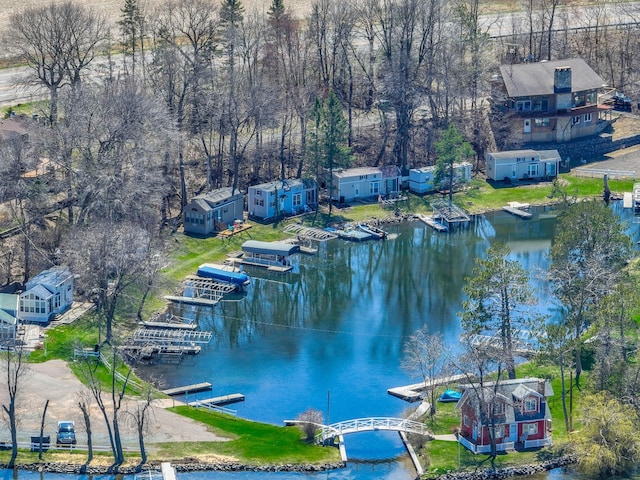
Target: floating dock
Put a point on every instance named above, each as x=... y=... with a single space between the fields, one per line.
x=170 y=325
x=218 y=401
x=194 y=388
x=518 y=209
x=449 y=214
x=432 y=222
x=191 y=300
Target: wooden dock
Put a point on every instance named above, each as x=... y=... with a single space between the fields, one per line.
x=309 y=233
x=416 y=392
x=218 y=401
x=170 y=325
x=518 y=209
x=432 y=222
x=194 y=388
x=450 y=214
x=268 y=266
x=191 y=300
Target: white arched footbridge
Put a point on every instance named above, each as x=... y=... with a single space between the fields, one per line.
x=370 y=424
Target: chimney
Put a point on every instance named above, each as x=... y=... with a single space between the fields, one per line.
x=541 y=385
x=562 y=80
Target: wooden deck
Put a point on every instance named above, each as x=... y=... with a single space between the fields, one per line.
x=194 y=388
x=432 y=222
x=232 y=231
x=450 y=213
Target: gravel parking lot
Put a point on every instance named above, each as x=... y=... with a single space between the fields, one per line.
x=53 y=380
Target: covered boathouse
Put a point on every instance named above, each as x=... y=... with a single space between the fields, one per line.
x=271 y=255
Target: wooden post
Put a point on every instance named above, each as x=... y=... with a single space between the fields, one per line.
x=571 y=400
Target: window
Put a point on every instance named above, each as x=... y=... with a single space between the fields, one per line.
x=374 y=188
x=587 y=117
x=541 y=122
x=529 y=429
x=523 y=106
x=466 y=420
x=258 y=201
x=579 y=99
x=540 y=104
x=297 y=200
x=531 y=404
x=499 y=431
x=363 y=177
x=498 y=408
x=576 y=120
x=532 y=169
x=592 y=98
x=258 y=193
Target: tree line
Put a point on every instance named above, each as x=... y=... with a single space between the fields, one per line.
x=593 y=277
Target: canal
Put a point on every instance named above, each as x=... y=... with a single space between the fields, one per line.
x=330 y=335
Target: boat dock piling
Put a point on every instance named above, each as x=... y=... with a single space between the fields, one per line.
x=194 y=388
x=518 y=209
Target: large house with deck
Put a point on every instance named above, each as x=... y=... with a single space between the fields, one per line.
x=518 y=415
x=549 y=101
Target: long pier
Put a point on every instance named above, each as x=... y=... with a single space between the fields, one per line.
x=218 y=401
x=193 y=388
x=415 y=392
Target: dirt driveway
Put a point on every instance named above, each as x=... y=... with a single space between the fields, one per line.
x=54 y=381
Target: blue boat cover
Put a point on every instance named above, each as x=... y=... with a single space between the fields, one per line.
x=236 y=278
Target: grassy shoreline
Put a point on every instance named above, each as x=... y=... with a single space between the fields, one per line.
x=189 y=252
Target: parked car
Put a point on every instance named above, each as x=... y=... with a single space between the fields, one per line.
x=621 y=101
x=66 y=433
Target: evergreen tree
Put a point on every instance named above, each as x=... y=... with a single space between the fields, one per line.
x=276 y=10
x=335 y=134
x=451 y=149
x=498 y=302
x=130 y=25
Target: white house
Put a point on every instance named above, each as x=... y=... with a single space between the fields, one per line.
x=213 y=211
x=8 y=316
x=421 y=179
x=364 y=182
x=282 y=198
x=523 y=164
x=48 y=293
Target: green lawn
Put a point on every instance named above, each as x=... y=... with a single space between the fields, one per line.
x=251 y=442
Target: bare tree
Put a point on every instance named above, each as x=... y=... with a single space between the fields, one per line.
x=58 y=42
x=84 y=404
x=15 y=370
x=425 y=356
x=312 y=419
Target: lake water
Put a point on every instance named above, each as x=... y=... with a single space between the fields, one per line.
x=330 y=336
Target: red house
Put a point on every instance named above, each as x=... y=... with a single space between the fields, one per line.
x=517 y=409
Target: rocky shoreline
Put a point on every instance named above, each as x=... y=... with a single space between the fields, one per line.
x=522 y=470
x=180 y=466
x=196 y=466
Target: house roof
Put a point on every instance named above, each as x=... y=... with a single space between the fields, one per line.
x=512 y=390
x=527 y=79
x=357 y=171
x=8 y=308
x=214 y=197
x=39 y=291
x=50 y=278
x=12 y=128
x=543 y=154
x=285 y=184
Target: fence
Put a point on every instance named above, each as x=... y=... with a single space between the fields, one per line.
x=92 y=353
x=601 y=172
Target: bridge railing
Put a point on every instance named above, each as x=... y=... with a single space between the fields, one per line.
x=371 y=424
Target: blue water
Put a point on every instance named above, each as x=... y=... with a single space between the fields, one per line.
x=331 y=336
